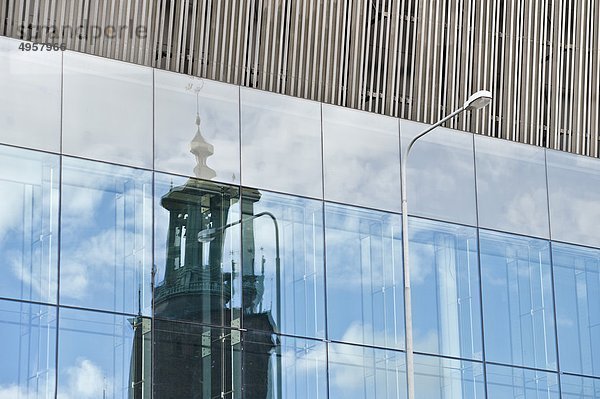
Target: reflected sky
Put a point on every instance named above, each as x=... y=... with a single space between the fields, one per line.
x=281 y=143
x=95 y=353
x=577 y=288
x=510 y=382
x=442 y=378
x=364 y=276
x=574 y=387
x=106 y=236
x=445 y=289
x=30 y=108
x=28 y=346
x=574 y=188
x=511 y=187
x=359 y=372
x=178 y=98
x=518 y=306
x=361 y=158
x=28 y=224
x=441 y=177
x=107 y=110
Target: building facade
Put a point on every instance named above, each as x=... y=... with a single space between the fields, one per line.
x=411 y=59
x=169 y=236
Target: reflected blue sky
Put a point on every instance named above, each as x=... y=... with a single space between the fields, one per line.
x=364 y=276
x=106 y=237
x=29 y=224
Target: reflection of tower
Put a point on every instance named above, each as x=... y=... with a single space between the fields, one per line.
x=192 y=359
x=199 y=146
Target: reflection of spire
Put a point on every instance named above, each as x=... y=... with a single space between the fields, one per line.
x=201 y=148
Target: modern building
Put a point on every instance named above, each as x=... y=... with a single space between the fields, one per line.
x=171 y=236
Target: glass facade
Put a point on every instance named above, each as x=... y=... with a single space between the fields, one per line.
x=214 y=241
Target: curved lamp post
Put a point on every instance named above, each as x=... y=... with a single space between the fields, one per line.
x=476 y=101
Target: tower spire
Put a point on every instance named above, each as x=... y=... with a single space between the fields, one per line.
x=201 y=148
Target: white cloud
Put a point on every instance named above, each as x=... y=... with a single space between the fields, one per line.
x=85 y=380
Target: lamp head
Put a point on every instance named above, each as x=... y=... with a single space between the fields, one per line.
x=478 y=100
x=207 y=235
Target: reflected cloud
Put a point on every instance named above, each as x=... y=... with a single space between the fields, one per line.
x=511 y=187
x=85 y=380
x=281 y=143
x=440 y=166
x=361 y=158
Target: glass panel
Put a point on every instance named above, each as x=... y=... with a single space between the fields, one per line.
x=575 y=218
x=107 y=110
x=283 y=367
x=442 y=378
x=361 y=157
x=283 y=272
x=197 y=280
x=30 y=102
x=28 y=348
x=577 y=287
x=106 y=237
x=364 y=276
x=509 y=382
x=518 y=308
x=360 y=372
x=194 y=361
x=511 y=187
x=445 y=289
x=441 y=177
x=573 y=387
x=197 y=130
x=281 y=143
x=103 y=355
x=29 y=224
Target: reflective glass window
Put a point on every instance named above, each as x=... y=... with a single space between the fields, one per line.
x=511 y=382
x=195 y=361
x=575 y=387
x=359 y=372
x=440 y=177
x=518 y=307
x=574 y=189
x=106 y=237
x=30 y=83
x=361 y=158
x=511 y=187
x=28 y=348
x=280 y=367
x=197 y=251
x=283 y=272
x=197 y=129
x=29 y=224
x=443 y=378
x=445 y=289
x=107 y=110
x=102 y=355
x=364 y=276
x=281 y=143
x=577 y=288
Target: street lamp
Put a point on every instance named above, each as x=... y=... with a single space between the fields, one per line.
x=476 y=101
